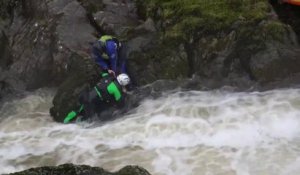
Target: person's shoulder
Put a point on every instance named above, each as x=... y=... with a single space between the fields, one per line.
x=96 y=44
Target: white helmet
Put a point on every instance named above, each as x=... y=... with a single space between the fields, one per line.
x=123 y=79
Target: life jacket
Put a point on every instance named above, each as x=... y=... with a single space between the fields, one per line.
x=108 y=89
x=103 y=39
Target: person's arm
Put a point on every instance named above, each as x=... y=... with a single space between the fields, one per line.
x=113 y=60
x=112 y=54
x=96 y=52
x=117 y=94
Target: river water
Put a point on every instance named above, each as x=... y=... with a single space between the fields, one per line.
x=183 y=133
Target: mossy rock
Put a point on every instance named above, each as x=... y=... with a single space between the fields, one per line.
x=275 y=30
x=159 y=62
x=223 y=24
x=189 y=19
x=276 y=63
x=70 y=169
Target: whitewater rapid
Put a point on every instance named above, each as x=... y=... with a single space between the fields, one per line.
x=181 y=133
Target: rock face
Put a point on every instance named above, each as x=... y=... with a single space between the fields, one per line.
x=47 y=42
x=39 y=39
x=288 y=14
x=69 y=169
x=83 y=74
x=212 y=41
x=109 y=18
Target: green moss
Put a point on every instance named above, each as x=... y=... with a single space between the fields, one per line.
x=275 y=30
x=208 y=26
x=191 y=18
x=189 y=25
x=267 y=31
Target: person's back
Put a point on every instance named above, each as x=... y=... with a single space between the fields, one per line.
x=109 y=91
x=106 y=53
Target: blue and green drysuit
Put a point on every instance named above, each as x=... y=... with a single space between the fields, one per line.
x=106 y=53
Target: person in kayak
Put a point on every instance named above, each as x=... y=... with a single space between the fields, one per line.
x=109 y=91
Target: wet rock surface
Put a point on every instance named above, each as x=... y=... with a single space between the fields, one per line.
x=238 y=47
x=47 y=43
x=70 y=169
x=40 y=39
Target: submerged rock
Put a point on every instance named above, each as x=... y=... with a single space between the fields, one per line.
x=70 y=169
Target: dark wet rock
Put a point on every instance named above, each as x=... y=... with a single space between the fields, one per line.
x=241 y=46
x=148 y=26
x=70 y=169
x=5 y=54
x=117 y=17
x=41 y=38
x=92 y=6
x=73 y=30
x=275 y=63
x=83 y=74
x=265 y=54
x=288 y=14
x=5 y=61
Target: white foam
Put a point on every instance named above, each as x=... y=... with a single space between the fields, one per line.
x=181 y=133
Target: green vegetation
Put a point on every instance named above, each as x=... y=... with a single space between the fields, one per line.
x=275 y=30
x=189 y=19
x=205 y=30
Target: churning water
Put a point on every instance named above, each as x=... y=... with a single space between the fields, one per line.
x=183 y=133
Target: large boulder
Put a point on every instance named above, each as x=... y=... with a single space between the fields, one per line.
x=82 y=75
x=116 y=17
x=41 y=37
x=212 y=41
x=70 y=169
x=275 y=63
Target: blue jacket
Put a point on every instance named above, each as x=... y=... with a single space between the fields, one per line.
x=108 y=57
